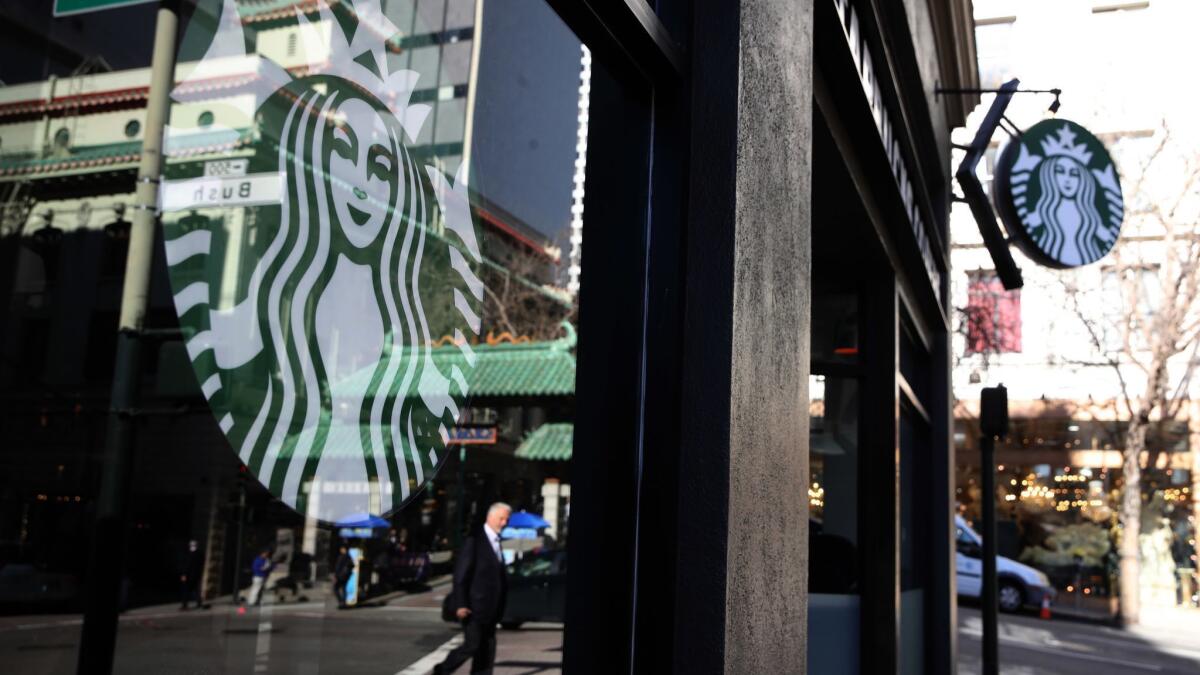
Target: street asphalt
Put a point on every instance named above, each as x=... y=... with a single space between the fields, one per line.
x=295 y=638
x=393 y=637
x=1033 y=646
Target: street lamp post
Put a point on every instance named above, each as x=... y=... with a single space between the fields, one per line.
x=106 y=561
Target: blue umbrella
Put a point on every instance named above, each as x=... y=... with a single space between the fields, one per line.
x=360 y=520
x=525 y=519
x=518 y=533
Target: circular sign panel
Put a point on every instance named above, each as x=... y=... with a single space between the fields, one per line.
x=1058 y=193
x=324 y=266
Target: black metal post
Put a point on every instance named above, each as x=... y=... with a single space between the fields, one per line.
x=987 y=470
x=107 y=550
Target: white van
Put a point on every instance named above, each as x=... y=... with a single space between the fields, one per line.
x=1019 y=585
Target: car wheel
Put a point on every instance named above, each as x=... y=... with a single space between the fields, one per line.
x=1011 y=597
x=511 y=625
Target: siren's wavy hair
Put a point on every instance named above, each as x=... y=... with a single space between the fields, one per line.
x=290 y=431
x=1090 y=222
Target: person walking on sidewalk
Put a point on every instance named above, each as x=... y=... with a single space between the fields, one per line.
x=260 y=568
x=191 y=568
x=479 y=591
x=341 y=575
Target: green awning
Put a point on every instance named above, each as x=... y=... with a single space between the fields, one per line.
x=549 y=442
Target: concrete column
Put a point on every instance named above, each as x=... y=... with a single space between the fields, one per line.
x=308 y=540
x=742 y=569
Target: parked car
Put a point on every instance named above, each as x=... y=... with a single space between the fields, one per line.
x=1017 y=585
x=25 y=585
x=537 y=589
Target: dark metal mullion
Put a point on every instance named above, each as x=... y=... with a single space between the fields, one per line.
x=658 y=512
x=629 y=31
x=879 y=480
x=604 y=466
x=943 y=600
x=911 y=400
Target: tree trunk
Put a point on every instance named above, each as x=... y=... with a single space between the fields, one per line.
x=1195 y=495
x=1131 y=523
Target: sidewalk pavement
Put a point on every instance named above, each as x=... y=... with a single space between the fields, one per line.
x=1181 y=624
x=533 y=649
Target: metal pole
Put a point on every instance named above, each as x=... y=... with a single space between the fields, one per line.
x=237 y=547
x=462 y=497
x=106 y=559
x=987 y=469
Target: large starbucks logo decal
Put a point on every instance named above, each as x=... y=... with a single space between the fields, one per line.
x=313 y=291
x=1059 y=194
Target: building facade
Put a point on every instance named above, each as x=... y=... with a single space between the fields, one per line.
x=745 y=424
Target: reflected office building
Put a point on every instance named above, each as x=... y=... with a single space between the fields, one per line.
x=371 y=316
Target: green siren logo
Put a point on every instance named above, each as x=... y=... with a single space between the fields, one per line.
x=1059 y=195
x=318 y=259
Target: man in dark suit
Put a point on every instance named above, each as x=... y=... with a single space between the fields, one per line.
x=480 y=586
x=191 y=569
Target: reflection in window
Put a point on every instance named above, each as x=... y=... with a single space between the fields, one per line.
x=833 y=493
x=835 y=327
x=506 y=85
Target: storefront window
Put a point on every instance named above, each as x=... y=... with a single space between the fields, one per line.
x=361 y=326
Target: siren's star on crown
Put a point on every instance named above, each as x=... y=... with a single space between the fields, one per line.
x=1065 y=145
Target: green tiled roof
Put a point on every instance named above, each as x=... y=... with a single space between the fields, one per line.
x=80 y=159
x=122 y=155
x=550 y=442
x=523 y=369
x=533 y=369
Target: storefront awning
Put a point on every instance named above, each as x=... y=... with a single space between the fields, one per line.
x=549 y=442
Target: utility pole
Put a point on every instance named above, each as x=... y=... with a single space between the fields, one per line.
x=106 y=561
x=993 y=423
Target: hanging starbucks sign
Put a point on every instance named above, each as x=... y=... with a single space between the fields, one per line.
x=1058 y=193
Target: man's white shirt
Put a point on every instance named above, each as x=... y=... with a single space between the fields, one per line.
x=494 y=540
